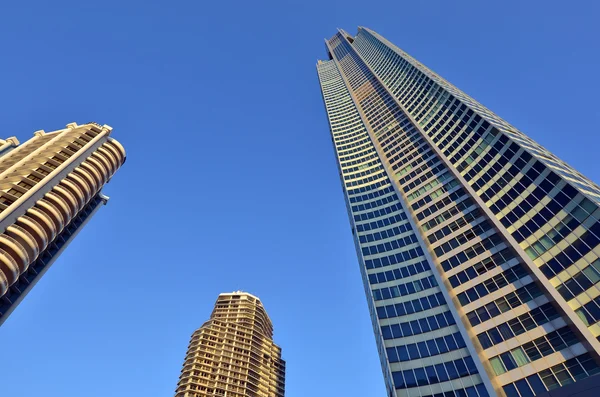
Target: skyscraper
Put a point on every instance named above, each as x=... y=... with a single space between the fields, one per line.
x=233 y=353
x=478 y=248
x=50 y=187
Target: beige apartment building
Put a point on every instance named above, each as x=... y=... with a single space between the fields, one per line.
x=233 y=353
x=50 y=187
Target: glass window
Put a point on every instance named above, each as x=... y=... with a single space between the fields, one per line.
x=392 y=355
x=524 y=388
x=403 y=353
x=410 y=379
x=592 y=274
x=519 y=356
x=505 y=331
x=562 y=375
x=413 y=352
x=497 y=365
x=508 y=361
x=549 y=379
x=421 y=377
x=431 y=375
x=510 y=390
x=452 y=372
x=441 y=372
x=536 y=384
x=484 y=339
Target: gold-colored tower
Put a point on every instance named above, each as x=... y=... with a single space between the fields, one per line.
x=233 y=353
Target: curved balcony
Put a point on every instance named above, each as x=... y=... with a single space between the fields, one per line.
x=22 y=242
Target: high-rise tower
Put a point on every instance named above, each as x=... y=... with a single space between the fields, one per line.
x=233 y=353
x=50 y=186
x=478 y=248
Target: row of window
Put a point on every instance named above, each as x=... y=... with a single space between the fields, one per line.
x=504 y=304
x=433 y=374
x=372 y=195
x=580 y=282
x=393 y=259
x=362 y=164
x=377 y=213
x=401 y=151
x=428 y=348
x=358 y=158
x=344 y=159
x=368 y=188
x=421 y=152
x=410 y=307
x=574 y=218
x=470 y=142
x=427 y=199
x=502 y=143
x=365 y=180
x=518 y=325
x=558 y=202
x=345 y=138
x=559 y=375
x=340 y=137
x=373 y=204
x=353 y=175
x=398 y=134
x=519 y=168
x=404 y=289
x=531 y=351
x=475 y=151
x=399 y=273
x=387 y=233
x=424 y=189
x=590 y=312
x=471 y=252
x=389 y=246
x=419 y=326
x=453 y=226
x=444 y=216
x=492 y=284
x=440 y=205
x=578 y=249
x=482 y=267
x=463 y=238
x=430 y=161
x=365 y=227
x=471 y=391
x=432 y=170
x=516 y=172
x=363 y=141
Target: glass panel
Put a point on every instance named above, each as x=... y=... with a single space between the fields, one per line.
x=519 y=356
x=497 y=365
x=592 y=274
x=536 y=384
x=511 y=390
x=524 y=388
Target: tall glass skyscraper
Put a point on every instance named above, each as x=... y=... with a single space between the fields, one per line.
x=478 y=248
x=50 y=187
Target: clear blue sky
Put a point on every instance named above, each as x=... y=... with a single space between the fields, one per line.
x=231 y=182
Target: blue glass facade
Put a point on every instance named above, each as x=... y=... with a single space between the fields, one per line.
x=478 y=248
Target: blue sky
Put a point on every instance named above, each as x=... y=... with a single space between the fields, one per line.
x=230 y=181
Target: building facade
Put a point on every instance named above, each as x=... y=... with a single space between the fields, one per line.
x=233 y=353
x=478 y=248
x=50 y=186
